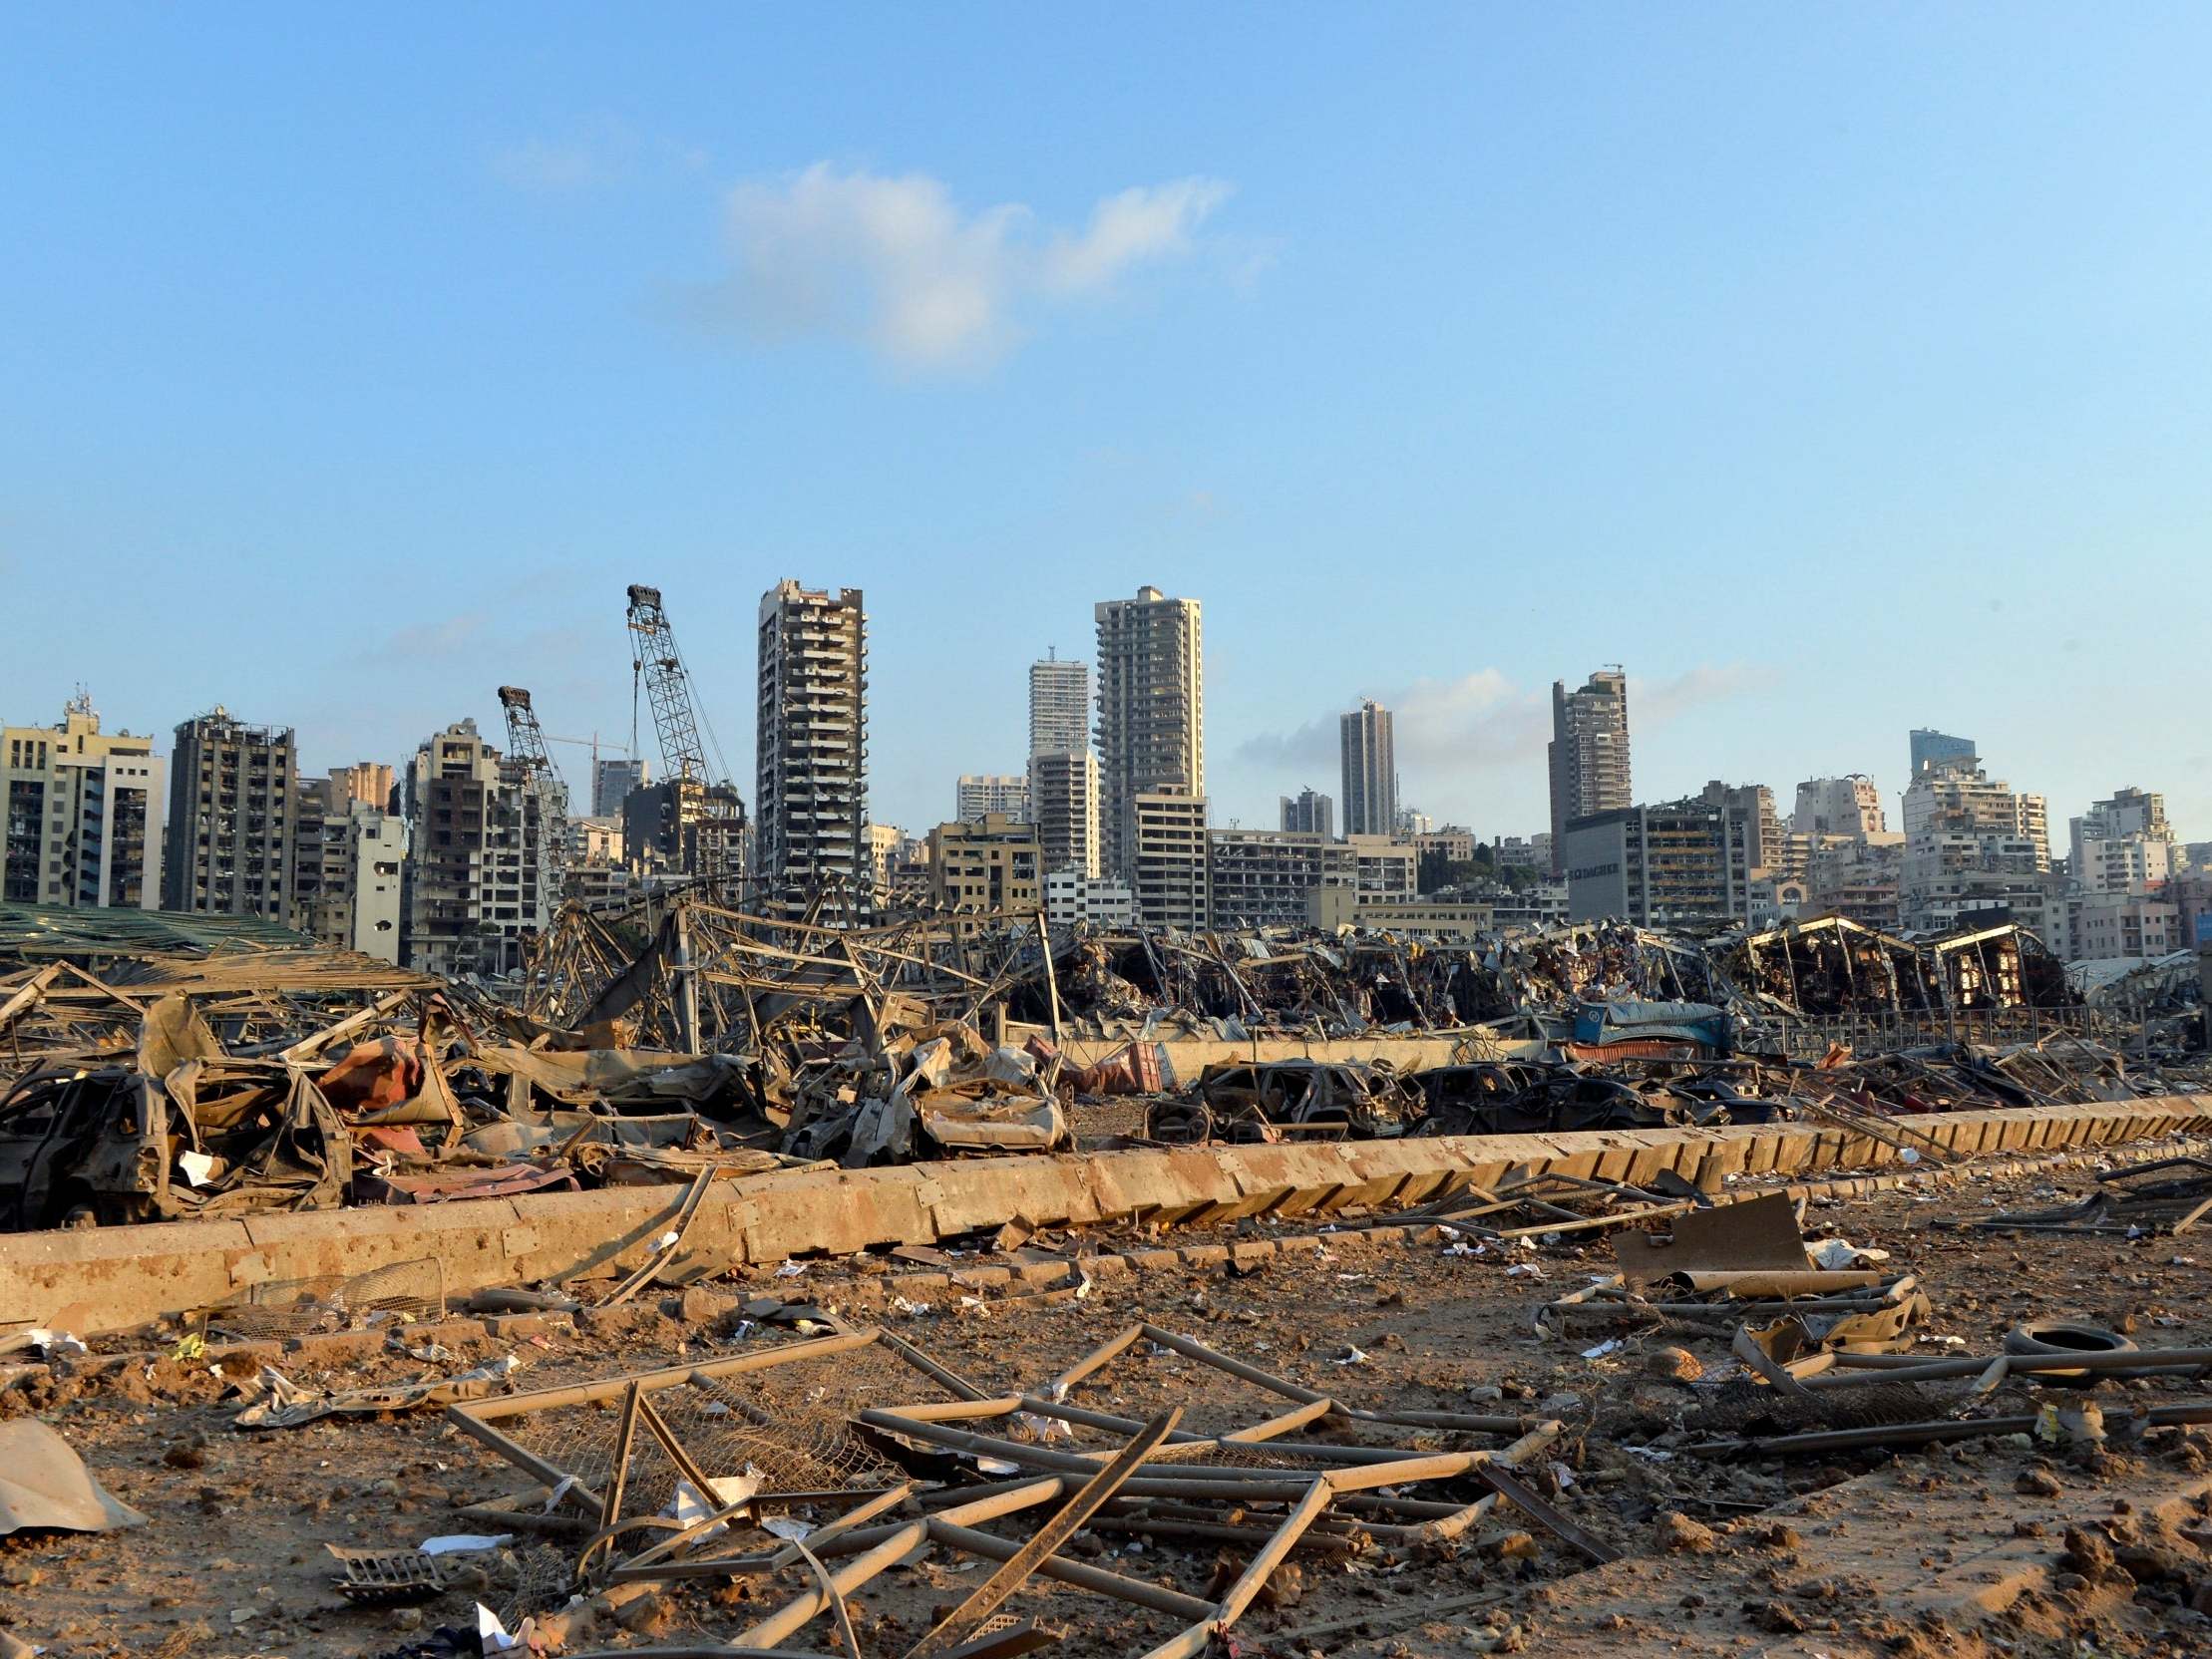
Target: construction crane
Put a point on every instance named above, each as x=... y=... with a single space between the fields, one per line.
x=525 y=744
x=657 y=662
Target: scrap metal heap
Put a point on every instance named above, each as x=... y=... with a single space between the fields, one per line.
x=157 y=1069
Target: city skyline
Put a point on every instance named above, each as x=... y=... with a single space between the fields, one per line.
x=577 y=774
x=434 y=399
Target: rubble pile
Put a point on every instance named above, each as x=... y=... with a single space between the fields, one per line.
x=157 y=1072
x=1560 y=1413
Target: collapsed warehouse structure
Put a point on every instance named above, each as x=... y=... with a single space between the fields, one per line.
x=870 y=1128
x=166 y=1069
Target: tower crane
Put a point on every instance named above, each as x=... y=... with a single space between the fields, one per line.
x=710 y=814
x=657 y=662
x=525 y=744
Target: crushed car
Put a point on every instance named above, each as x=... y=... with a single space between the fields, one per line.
x=212 y=1138
x=1363 y=1098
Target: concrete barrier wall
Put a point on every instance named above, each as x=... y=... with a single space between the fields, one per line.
x=115 y=1278
x=1186 y=1056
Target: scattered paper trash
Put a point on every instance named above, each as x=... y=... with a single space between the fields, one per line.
x=492 y=1635
x=690 y=1506
x=1836 y=1254
x=461 y=1543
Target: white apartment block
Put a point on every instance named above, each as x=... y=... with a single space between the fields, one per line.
x=976 y=794
x=2130 y=863
x=1072 y=899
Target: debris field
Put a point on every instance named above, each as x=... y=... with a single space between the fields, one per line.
x=1405 y=1435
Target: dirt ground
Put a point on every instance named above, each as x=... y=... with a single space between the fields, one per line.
x=1994 y=1545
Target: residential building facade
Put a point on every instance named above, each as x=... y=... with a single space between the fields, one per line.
x=1659 y=865
x=1308 y=814
x=1173 y=882
x=1847 y=806
x=1453 y=844
x=1368 y=758
x=976 y=794
x=684 y=826
x=1151 y=714
x=233 y=812
x=1589 y=752
x=1073 y=899
x=1972 y=845
x=1523 y=851
x=986 y=869
x=1757 y=803
x=811 y=748
x=879 y=846
x=80 y=810
x=1263 y=878
x=1064 y=805
x=1059 y=707
x=476 y=871
x=2130 y=817
x=2102 y=925
x=366 y=781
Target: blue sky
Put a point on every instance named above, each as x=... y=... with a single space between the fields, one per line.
x=1836 y=370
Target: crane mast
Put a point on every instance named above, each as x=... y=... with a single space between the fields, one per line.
x=655 y=661
x=526 y=745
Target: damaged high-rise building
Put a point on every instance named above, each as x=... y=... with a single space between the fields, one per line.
x=1589 y=753
x=1656 y=866
x=1059 y=707
x=1769 y=856
x=1848 y=805
x=348 y=863
x=476 y=880
x=1151 y=715
x=1063 y=804
x=810 y=753
x=233 y=814
x=1173 y=879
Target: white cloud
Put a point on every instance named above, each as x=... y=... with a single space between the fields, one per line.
x=1127 y=229
x=1446 y=731
x=1663 y=699
x=897 y=263
x=1476 y=720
